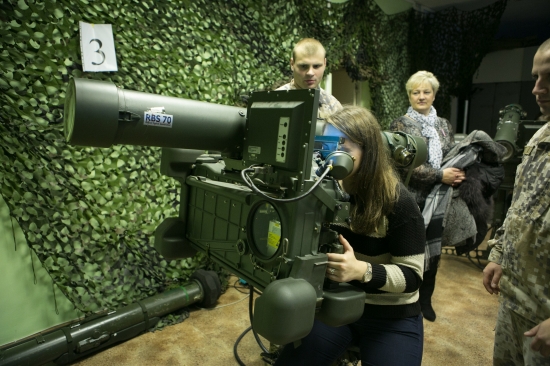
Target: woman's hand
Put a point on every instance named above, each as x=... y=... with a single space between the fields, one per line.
x=453 y=176
x=345 y=267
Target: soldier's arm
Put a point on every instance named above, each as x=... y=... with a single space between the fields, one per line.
x=493 y=271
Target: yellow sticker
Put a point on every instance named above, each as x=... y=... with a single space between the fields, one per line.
x=274 y=234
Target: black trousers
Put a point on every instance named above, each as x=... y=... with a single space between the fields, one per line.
x=383 y=342
x=428 y=285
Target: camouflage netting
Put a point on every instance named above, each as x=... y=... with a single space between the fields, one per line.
x=451 y=44
x=381 y=58
x=377 y=52
x=89 y=214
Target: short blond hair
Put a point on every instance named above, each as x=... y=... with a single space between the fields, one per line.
x=544 y=46
x=310 y=46
x=420 y=77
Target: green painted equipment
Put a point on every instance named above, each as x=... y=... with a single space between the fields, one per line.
x=66 y=344
x=253 y=206
x=513 y=132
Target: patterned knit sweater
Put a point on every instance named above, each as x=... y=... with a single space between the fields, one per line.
x=397 y=261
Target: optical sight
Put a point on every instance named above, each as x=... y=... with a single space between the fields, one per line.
x=513 y=132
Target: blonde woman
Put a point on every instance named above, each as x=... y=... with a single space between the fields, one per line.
x=421 y=120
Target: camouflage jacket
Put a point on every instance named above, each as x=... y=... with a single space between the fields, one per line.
x=327 y=103
x=522 y=245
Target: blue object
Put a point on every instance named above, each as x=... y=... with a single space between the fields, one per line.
x=324 y=145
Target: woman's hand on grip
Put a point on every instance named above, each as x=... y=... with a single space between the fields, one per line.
x=345 y=267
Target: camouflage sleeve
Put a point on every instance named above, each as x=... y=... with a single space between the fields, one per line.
x=496 y=245
x=329 y=105
x=334 y=105
x=338 y=105
x=284 y=87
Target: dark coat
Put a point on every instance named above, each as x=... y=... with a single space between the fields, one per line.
x=470 y=212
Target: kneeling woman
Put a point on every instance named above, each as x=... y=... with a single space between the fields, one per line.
x=384 y=256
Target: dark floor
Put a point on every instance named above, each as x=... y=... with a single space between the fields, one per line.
x=461 y=335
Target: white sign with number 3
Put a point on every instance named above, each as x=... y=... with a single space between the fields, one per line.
x=98 y=47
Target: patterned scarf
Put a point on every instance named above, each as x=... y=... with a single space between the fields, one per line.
x=428 y=123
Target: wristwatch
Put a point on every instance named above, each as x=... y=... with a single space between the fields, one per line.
x=367 y=276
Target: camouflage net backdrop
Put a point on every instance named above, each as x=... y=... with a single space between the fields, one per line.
x=451 y=44
x=89 y=214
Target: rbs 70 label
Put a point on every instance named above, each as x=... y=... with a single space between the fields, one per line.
x=158 y=119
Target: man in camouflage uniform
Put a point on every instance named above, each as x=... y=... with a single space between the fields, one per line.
x=308 y=65
x=519 y=267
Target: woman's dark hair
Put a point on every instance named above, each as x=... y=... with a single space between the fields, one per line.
x=375 y=184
